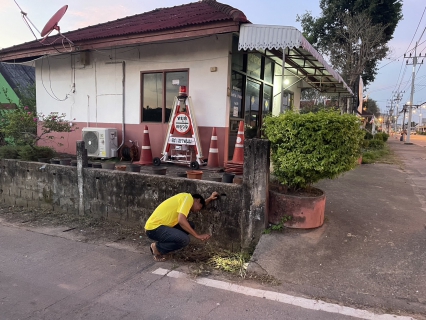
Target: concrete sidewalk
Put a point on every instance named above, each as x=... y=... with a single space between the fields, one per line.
x=371 y=250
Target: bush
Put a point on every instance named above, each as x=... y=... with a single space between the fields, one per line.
x=381 y=136
x=375 y=144
x=9 y=152
x=29 y=153
x=309 y=147
x=364 y=144
x=368 y=135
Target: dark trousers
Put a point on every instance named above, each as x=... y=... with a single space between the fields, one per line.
x=169 y=239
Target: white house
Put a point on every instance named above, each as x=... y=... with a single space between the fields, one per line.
x=125 y=73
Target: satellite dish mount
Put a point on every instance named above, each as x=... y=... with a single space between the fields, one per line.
x=51 y=25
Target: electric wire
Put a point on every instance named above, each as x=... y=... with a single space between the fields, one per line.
x=53 y=96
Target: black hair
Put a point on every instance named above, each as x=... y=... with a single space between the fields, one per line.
x=199 y=196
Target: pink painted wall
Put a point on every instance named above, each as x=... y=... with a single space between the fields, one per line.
x=157 y=135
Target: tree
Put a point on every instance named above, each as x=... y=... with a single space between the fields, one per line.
x=371 y=107
x=24 y=126
x=353 y=34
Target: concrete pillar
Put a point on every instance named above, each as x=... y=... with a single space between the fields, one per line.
x=255 y=205
x=82 y=162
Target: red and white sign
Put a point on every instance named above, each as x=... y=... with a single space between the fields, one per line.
x=182 y=123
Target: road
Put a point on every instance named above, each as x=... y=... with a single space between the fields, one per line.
x=46 y=276
x=417 y=139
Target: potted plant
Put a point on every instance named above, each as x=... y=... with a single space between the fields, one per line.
x=306 y=148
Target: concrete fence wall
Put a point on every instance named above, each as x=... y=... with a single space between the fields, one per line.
x=236 y=220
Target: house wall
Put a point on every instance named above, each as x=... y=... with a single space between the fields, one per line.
x=10 y=92
x=91 y=93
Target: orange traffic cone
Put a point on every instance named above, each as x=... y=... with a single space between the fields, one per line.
x=146 y=154
x=213 y=159
x=239 y=145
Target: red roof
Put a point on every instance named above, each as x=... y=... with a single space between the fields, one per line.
x=197 y=13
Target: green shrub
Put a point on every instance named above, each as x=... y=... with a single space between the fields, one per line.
x=365 y=143
x=376 y=144
x=9 y=152
x=309 y=147
x=381 y=136
x=368 y=135
x=29 y=153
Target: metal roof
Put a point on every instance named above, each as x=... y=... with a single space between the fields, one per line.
x=162 y=19
x=301 y=58
x=18 y=76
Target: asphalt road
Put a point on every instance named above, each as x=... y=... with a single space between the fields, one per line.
x=44 y=276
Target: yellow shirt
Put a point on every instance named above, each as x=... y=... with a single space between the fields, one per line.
x=168 y=211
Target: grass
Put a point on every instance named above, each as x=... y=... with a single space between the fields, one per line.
x=384 y=155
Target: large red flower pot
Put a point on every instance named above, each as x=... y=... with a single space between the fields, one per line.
x=305 y=209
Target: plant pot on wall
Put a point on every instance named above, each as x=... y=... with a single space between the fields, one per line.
x=96 y=165
x=303 y=211
x=133 y=168
x=194 y=174
x=120 y=167
x=228 y=177
x=109 y=165
x=65 y=162
x=238 y=180
x=159 y=170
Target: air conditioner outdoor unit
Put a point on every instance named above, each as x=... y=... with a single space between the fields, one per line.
x=101 y=142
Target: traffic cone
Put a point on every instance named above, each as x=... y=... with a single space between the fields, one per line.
x=146 y=154
x=213 y=159
x=239 y=145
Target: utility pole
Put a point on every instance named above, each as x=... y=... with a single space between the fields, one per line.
x=397 y=98
x=411 y=102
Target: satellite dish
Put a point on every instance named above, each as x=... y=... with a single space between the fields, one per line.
x=52 y=24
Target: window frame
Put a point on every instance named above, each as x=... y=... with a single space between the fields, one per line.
x=164 y=107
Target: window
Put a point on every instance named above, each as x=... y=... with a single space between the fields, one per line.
x=237 y=95
x=267 y=100
x=158 y=92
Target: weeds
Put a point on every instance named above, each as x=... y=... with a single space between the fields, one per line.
x=278 y=227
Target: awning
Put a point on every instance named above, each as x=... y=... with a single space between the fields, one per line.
x=301 y=58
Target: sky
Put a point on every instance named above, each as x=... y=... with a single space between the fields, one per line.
x=393 y=74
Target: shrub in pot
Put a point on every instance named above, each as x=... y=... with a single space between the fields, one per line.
x=306 y=148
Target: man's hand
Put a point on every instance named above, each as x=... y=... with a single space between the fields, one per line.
x=214 y=195
x=203 y=237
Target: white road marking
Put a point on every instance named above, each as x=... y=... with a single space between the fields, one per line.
x=283 y=298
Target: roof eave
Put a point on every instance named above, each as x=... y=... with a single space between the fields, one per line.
x=189 y=32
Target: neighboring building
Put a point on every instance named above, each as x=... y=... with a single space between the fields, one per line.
x=14 y=80
x=134 y=66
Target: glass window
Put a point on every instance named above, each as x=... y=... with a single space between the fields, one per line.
x=267 y=100
x=237 y=95
x=152 y=97
x=252 y=99
x=173 y=81
x=237 y=56
x=269 y=70
x=158 y=92
x=254 y=65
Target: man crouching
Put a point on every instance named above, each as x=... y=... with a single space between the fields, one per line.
x=168 y=224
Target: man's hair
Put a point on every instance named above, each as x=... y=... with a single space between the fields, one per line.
x=199 y=196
